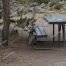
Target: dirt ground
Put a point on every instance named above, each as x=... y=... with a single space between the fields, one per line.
x=20 y=53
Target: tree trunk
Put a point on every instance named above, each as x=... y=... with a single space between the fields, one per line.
x=6 y=20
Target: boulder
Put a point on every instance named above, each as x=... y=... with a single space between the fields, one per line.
x=61 y=2
x=42 y=5
x=22 y=33
x=64 y=6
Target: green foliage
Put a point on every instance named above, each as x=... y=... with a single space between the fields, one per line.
x=41 y=1
x=21 y=12
x=12 y=21
x=58 y=6
x=52 y=4
x=22 y=22
x=1 y=14
x=20 y=1
x=55 y=5
x=0 y=7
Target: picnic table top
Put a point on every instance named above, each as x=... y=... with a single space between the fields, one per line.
x=60 y=19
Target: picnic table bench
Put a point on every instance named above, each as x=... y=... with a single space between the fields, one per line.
x=38 y=32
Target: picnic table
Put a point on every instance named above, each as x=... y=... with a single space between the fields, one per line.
x=60 y=20
x=38 y=32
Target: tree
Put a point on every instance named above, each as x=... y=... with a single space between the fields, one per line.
x=6 y=19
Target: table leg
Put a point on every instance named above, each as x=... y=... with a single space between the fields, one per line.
x=53 y=36
x=63 y=28
x=59 y=29
x=34 y=42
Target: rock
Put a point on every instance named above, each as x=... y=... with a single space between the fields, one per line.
x=22 y=33
x=64 y=6
x=61 y=2
x=39 y=9
x=49 y=3
x=42 y=5
x=31 y=9
x=13 y=27
x=34 y=4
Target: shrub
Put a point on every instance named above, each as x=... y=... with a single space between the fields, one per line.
x=1 y=14
x=24 y=22
x=55 y=5
x=58 y=6
x=42 y=1
x=0 y=7
x=52 y=4
x=38 y=1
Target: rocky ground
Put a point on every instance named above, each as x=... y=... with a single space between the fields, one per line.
x=20 y=53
